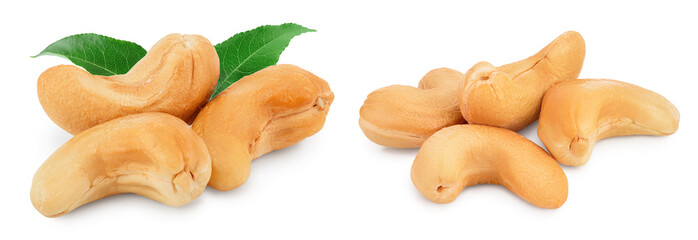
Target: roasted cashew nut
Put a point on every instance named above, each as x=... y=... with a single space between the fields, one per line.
x=154 y=155
x=463 y=155
x=510 y=96
x=577 y=113
x=404 y=116
x=271 y=109
x=177 y=76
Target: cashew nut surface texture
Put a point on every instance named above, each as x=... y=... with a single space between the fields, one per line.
x=464 y=155
x=154 y=155
x=177 y=76
x=510 y=96
x=271 y=109
x=404 y=116
x=575 y=114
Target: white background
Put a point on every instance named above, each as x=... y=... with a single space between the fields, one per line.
x=338 y=184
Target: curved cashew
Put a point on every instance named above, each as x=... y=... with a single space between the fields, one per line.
x=404 y=116
x=464 y=155
x=154 y=155
x=177 y=76
x=577 y=113
x=510 y=96
x=271 y=109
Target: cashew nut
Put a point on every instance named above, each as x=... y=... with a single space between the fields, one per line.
x=177 y=77
x=404 y=116
x=464 y=155
x=271 y=109
x=510 y=96
x=154 y=155
x=575 y=114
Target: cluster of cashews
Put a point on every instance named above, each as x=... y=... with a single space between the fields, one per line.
x=496 y=101
x=132 y=133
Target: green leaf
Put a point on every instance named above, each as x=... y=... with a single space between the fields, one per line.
x=251 y=51
x=97 y=54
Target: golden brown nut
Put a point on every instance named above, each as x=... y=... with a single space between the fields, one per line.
x=177 y=76
x=464 y=155
x=271 y=109
x=404 y=116
x=510 y=96
x=577 y=113
x=154 y=155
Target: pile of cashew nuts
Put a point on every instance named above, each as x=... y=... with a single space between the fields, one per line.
x=132 y=134
x=465 y=124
